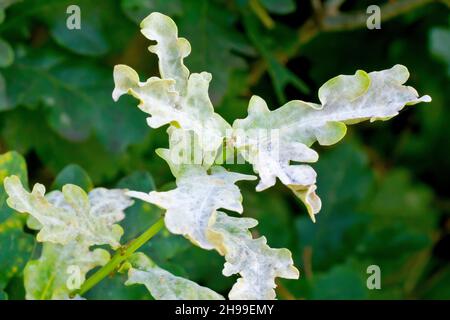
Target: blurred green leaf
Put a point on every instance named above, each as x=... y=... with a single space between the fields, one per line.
x=353 y=221
x=166 y=246
x=439 y=45
x=97 y=19
x=341 y=282
x=343 y=182
x=16 y=289
x=53 y=150
x=400 y=200
x=141 y=215
x=280 y=75
x=204 y=267
x=56 y=109
x=3 y=97
x=402 y=215
x=279 y=6
x=137 y=10
x=4 y=5
x=438 y=288
x=201 y=23
x=113 y=288
x=273 y=215
x=16 y=246
x=6 y=54
x=77 y=97
x=11 y=163
x=73 y=174
x=87 y=40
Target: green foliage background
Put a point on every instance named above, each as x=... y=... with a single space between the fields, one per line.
x=385 y=188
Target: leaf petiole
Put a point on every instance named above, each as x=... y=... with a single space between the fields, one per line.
x=121 y=255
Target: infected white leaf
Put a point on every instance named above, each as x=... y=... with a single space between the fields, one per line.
x=344 y=100
x=46 y=277
x=71 y=215
x=256 y=263
x=181 y=100
x=176 y=98
x=163 y=285
x=198 y=194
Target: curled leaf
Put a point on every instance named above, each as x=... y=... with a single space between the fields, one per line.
x=170 y=49
x=177 y=97
x=257 y=263
x=291 y=129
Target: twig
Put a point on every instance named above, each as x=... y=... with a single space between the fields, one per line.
x=328 y=18
x=307 y=262
x=332 y=21
x=284 y=292
x=262 y=14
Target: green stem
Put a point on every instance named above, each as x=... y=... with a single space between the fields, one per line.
x=121 y=255
x=262 y=14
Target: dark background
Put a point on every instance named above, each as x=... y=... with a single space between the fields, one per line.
x=384 y=188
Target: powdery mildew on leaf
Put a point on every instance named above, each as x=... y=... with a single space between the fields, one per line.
x=181 y=100
x=177 y=97
x=344 y=100
x=69 y=223
x=163 y=285
x=47 y=277
x=71 y=215
x=198 y=194
x=256 y=263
